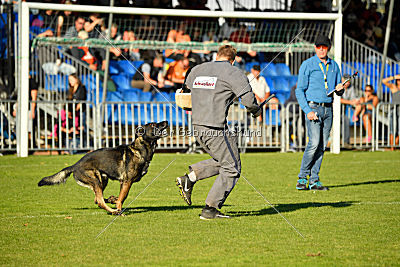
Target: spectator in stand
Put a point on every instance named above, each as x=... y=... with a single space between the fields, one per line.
x=76 y=91
x=242 y=36
x=76 y=28
x=65 y=19
x=258 y=84
x=177 y=36
x=115 y=53
x=132 y=54
x=227 y=28
x=395 y=111
x=149 y=74
x=83 y=52
x=47 y=24
x=367 y=103
x=350 y=98
x=94 y=26
x=176 y=72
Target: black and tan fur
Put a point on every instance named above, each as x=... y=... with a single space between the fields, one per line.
x=125 y=163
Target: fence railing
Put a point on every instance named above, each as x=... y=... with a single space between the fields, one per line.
x=368 y=62
x=62 y=126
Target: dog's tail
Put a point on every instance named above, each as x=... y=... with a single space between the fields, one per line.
x=58 y=178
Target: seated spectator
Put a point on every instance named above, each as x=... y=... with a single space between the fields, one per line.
x=177 y=36
x=132 y=54
x=149 y=74
x=258 y=84
x=395 y=111
x=47 y=23
x=76 y=91
x=176 y=72
x=83 y=52
x=367 y=103
x=350 y=98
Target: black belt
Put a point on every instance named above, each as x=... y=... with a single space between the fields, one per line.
x=327 y=105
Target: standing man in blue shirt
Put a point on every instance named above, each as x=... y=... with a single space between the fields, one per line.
x=319 y=78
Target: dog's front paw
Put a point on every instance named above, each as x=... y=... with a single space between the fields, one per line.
x=117 y=212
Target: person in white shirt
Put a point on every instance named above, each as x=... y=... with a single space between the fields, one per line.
x=258 y=84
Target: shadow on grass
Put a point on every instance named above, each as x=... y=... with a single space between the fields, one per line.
x=289 y=208
x=365 y=183
x=136 y=210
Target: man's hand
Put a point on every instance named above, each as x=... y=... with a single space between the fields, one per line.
x=355 y=102
x=312 y=116
x=339 y=87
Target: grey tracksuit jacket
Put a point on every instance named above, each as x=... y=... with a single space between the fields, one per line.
x=214 y=85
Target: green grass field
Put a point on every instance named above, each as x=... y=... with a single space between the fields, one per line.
x=357 y=222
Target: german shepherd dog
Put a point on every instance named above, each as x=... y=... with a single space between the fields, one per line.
x=125 y=163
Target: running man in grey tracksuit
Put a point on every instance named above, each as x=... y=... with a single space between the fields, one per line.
x=214 y=85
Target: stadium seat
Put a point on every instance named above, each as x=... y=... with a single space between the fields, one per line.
x=58 y=83
x=280 y=84
x=114 y=97
x=145 y=96
x=272 y=117
x=113 y=70
x=127 y=67
x=162 y=97
x=270 y=84
x=122 y=82
x=282 y=69
x=268 y=69
x=292 y=80
x=130 y=96
x=282 y=96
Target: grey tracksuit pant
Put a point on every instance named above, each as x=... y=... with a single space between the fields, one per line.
x=222 y=146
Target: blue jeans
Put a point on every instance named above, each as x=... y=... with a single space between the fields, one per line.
x=318 y=134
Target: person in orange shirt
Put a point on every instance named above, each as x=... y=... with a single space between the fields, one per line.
x=177 y=36
x=176 y=72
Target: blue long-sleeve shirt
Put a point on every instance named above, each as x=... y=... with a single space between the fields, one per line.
x=311 y=83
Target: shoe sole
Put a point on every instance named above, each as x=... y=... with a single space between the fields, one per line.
x=209 y=219
x=181 y=191
x=301 y=188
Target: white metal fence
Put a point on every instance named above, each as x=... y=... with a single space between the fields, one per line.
x=58 y=126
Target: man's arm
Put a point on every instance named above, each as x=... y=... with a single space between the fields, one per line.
x=302 y=85
x=386 y=81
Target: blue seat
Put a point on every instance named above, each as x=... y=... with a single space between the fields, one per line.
x=130 y=96
x=282 y=69
x=272 y=117
x=122 y=82
x=114 y=97
x=145 y=96
x=58 y=83
x=270 y=83
x=129 y=68
x=292 y=80
x=162 y=97
x=282 y=96
x=113 y=70
x=268 y=69
x=280 y=84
